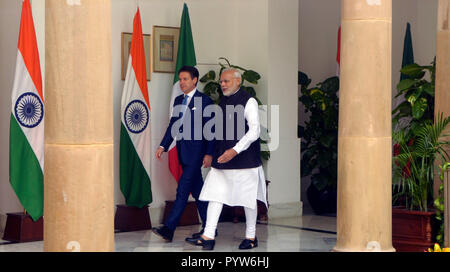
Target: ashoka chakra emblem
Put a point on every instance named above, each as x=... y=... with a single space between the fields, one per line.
x=136 y=116
x=29 y=110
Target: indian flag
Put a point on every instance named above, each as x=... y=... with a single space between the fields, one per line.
x=135 y=127
x=26 y=140
x=185 y=56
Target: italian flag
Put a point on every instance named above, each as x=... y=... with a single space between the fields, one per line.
x=26 y=140
x=185 y=56
x=135 y=126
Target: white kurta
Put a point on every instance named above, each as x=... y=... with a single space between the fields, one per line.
x=238 y=187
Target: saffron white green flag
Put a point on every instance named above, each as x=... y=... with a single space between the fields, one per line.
x=135 y=128
x=26 y=140
x=185 y=56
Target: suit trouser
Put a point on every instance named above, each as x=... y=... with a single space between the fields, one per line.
x=191 y=181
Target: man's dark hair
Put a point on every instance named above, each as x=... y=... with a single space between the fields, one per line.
x=191 y=70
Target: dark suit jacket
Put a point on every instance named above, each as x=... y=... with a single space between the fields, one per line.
x=190 y=151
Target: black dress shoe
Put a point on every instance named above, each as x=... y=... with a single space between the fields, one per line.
x=197 y=235
x=164 y=232
x=248 y=244
x=206 y=244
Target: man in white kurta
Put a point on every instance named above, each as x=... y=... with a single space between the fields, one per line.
x=236 y=177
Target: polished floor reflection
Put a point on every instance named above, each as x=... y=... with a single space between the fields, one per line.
x=309 y=233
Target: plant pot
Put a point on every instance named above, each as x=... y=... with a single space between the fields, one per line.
x=322 y=202
x=413 y=231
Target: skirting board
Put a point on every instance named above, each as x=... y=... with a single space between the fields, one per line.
x=280 y=210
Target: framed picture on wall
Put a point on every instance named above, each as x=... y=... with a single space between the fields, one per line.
x=126 y=46
x=165 y=47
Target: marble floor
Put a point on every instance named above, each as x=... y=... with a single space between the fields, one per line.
x=308 y=233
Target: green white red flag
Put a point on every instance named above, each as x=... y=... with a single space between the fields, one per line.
x=185 y=56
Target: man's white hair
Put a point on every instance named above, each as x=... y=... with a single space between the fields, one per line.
x=236 y=73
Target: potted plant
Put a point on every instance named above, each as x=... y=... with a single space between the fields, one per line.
x=409 y=119
x=319 y=142
x=414 y=225
x=439 y=204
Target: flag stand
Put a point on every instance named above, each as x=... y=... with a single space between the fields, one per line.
x=20 y=228
x=130 y=218
x=189 y=216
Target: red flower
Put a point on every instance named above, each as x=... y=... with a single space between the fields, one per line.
x=406 y=171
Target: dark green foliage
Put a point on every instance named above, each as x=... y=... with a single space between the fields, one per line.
x=415 y=164
x=320 y=133
x=418 y=107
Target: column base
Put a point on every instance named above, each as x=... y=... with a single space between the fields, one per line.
x=370 y=248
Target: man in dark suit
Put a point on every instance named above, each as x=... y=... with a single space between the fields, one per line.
x=193 y=148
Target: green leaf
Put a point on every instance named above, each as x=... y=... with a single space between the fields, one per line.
x=327 y=139
x=324 y=159
x=412 y=70
x=404 y=107
x=300 y=132
x=411 y=98
x=307 y=101
x=211 y=89
x=302 y=78
x=265 y=155
x=251 y=76
x=429 y=89
x=211 y=75
x=330 y=85
x=316 y=95
x=319 y=181
x=222 y=58
x=419 y=107
x=250 y=90
x=405 y=84
x=238 y=67
x=305 y=169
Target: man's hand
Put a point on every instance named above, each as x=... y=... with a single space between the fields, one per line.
x=207 y=161
x=227 y=156
x=159 y=153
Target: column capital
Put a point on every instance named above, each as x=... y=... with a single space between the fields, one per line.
x=367 y=10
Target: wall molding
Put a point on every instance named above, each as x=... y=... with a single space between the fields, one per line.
x=290 y=209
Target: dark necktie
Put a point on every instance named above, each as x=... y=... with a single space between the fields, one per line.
x=184 y=103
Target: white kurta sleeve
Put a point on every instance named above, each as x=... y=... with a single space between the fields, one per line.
x=252 y=116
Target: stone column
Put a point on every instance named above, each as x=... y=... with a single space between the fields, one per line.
x=364 y=215
x=78 y=205
x=442 y=95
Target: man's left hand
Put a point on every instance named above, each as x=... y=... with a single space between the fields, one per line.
x=207 y=161
x=227 y=156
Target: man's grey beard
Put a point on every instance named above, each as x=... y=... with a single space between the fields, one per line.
x=230 y=92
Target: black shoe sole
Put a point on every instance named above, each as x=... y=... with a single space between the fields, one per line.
x=204 y=247
x=168 y=240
